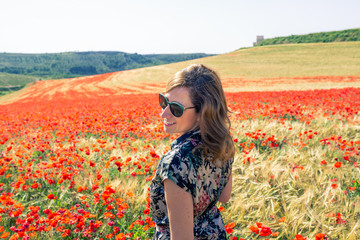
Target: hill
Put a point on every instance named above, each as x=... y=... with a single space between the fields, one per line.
x=334 y=36
x=29 y=67
x=13 y=82
x=276 y=67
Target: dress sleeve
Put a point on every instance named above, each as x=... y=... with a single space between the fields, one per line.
x=175 y=167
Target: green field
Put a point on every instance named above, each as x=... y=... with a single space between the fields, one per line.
x=13 y=82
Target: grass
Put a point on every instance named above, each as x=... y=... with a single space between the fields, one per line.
x=9 y=80
x=290 y=60
x=291 y=183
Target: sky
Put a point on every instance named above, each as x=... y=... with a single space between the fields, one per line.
x=163 y=26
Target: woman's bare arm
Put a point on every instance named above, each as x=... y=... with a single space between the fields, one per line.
x=180 y=211
x=226 y=193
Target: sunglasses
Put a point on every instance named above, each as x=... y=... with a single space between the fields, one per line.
x=175 y=108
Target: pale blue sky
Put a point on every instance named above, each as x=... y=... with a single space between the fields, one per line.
x=163 y=26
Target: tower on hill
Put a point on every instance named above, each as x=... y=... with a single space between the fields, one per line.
x=259 y=38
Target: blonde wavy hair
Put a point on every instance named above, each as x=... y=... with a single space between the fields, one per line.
x=208 y=97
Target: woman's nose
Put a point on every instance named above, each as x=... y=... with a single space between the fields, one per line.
x=165 y=112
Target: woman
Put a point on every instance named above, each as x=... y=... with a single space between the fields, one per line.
x=196 y=172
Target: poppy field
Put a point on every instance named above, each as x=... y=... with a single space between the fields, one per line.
x=80 y=167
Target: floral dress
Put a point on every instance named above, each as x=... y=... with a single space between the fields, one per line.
x=201 y=178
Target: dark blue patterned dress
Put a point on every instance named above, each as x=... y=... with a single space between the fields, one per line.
x=201 y=178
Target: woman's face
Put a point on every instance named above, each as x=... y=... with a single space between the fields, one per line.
x=188 y=121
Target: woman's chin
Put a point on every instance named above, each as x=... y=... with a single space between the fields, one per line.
x=170 y=129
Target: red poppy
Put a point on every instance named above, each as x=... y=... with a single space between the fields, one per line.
x=337 y=164
x=51 y=196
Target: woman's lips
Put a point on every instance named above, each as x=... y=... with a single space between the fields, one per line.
x=168 y=123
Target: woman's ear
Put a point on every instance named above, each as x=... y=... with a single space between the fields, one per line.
x=198 y=118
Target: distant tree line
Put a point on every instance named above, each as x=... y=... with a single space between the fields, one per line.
x=334 y=36
x=75 y=64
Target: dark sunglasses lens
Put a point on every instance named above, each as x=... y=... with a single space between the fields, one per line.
x=176 y=110
x=162 y=101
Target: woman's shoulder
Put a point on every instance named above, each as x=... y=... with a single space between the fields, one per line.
x=191 y=137
x=178 y=154
x=186 y=143
x=177 y=164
